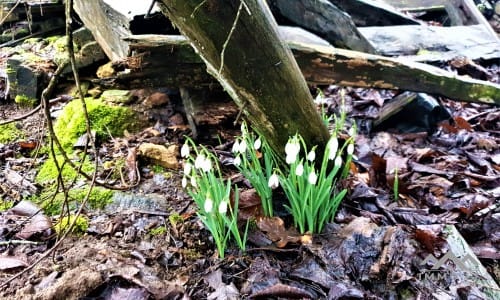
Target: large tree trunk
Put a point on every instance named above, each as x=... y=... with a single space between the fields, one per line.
x=240 y=44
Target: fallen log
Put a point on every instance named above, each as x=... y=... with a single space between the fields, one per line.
x=320 y=64
x=240 y=44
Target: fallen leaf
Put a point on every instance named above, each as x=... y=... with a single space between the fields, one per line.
x=275 y=229
x=11 y=262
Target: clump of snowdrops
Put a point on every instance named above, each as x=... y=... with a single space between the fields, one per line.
x=204 y=182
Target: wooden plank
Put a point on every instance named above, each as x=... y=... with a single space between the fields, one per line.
x=418 y=5
x=441 y=43
x=324 y=65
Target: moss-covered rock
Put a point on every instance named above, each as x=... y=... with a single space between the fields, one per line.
x=25 y=101
x=9 y=133
x=105 y=119
x=98 y=199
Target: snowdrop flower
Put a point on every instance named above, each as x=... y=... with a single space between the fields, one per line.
x=237 y=161
x=198 y=162
x=243 y=147
x=292 y=149
x=320 y=99
x=312 y=178
x=236 y=147
x=274 y=181
x=208 y=205
x=338 y=161
x=311 y=155
x=333 y=145
x=352 y=131
x=257 y=144
x=184 y=182
x=223 y=207
x=187 y=168
x=193 y=182
x=185 y=150
x=206 y=166
x=300 y=170
x=350 y=149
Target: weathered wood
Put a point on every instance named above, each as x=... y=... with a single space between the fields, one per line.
x=326 y=20
x=441 y=43
x=321 y=65
x=475 y=273
x=343 y=67
x=240 y=44
x=373 y=13
x=418 y=5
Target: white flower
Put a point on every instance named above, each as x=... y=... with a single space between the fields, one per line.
x=332 y=146
x=338 y=161
x=242 y=147
x=320 y=99
x=185 y=150
x=300 y=170
x=274 y=181
x=352 y=131
x=193 y=182
x=198 y=162
x=206 y=165
x=257 y=144
x=312 y=178
x=236 y=147
x=223 y=207
x=187 y=168
x=208 y=205
x=350 y=149
x=292 y=149
x=311 y=155
x=243 y=128
x=184 y=182
x=237 y=161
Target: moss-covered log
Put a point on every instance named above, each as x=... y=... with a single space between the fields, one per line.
x=241 y=47
x=320 y=64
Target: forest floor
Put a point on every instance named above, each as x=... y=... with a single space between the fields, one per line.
x=148 y=242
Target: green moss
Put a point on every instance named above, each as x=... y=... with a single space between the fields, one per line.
x=158 y=231
x=175 y=219
x=48 y=171
x=98 y=199
x=25 y=101
x=53 y=39
x=10 y=133
x=80 y=227
x=105 y=119
x=4 y=205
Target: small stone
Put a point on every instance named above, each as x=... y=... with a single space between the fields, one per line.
x=161 y=155
x=117 y=96
x=106 y=70
x=156 y=99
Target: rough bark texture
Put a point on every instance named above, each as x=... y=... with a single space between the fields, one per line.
x=320 y=64
x=240 y=44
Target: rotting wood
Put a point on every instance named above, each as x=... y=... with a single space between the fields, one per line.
x=241 y=47
x=321 y=65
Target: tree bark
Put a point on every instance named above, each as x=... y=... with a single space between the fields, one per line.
x=241 y=47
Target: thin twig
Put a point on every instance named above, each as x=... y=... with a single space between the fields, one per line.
x=224 y=46
x=10 y=12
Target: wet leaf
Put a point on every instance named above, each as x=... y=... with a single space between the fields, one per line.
x=38 y=224
x=222 y=291
x=275 y=229
x=11 y=262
